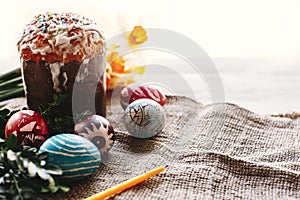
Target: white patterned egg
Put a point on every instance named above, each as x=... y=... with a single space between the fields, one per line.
x=98 y=130
x=76 y=156
x=144 y=118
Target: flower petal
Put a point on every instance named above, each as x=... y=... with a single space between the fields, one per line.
x=139 y=70
x=137 y=36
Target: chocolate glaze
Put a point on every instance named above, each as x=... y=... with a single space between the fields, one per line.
x=90 y=90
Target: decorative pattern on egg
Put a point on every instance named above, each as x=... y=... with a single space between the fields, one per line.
x=144 y=118
x=98 y=130
x=77 y=157
x=134 y=92
x=28 y=126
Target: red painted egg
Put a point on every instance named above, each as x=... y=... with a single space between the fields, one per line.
x=28 y=126
x=133 y=92
x=98 y=130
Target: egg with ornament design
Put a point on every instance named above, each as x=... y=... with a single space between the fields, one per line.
x=134 y=92
x=98 y=130
x=28 y=126
x=77 y=157
x=144 y=118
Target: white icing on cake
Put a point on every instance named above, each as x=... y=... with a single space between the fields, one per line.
x=55 y=72
x=62 y=34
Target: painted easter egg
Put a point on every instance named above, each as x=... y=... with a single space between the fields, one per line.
x=28 y=126
x=76 y=156
x=144 y=118
x=98 y=130
x=133 y=92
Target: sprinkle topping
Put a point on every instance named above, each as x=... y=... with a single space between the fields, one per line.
x=54 y=22
x=65 y=36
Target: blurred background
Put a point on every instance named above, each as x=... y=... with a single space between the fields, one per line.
x=254 y=45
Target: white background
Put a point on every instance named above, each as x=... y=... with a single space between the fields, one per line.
x=255 y=44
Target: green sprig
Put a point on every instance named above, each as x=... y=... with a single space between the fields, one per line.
x=11 y=85
x=57 y=122
x=24 y=172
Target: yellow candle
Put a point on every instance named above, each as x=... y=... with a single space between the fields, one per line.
x=125 y=185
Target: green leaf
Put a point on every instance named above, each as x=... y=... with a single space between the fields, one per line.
x=20 y=165
x=42 y=156
x=64 y=188
x=3 y=190
x=52 y=167
x=28 y=193
x=10 y=75
x=4 y=112
x=18 y=148
x=14 y=174
x=11 y=142
x=52 y=181
x=17 y=197
x=13 y=189
x=16 y=92
x=53 y=188
x=45 y=189
x=28 y=154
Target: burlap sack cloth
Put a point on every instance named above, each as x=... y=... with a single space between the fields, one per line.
x=218 y=151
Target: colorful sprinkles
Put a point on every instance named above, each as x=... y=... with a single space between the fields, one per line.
x=64 y=37
x=54 y=22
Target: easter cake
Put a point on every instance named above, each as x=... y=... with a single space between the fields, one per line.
x=61 y=53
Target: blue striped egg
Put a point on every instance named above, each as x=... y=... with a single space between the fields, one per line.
x=76 y=156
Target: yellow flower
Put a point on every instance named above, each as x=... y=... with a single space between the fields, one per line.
x=117 y=67
x=137 y=36
x=116 y=62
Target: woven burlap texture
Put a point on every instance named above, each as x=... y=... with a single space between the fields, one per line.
x=218 y=151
